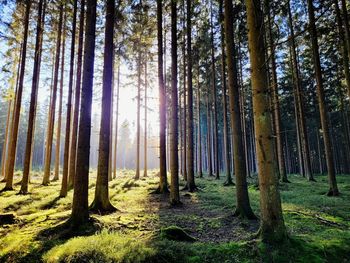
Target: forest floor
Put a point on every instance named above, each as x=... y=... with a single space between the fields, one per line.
x=319 y=226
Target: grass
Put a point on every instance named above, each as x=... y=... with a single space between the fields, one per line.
x=318 y=225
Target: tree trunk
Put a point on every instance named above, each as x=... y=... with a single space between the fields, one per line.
x=74 y=139
x=59 y=121
x=116 y=124
x=145 y=131
x=224 y=95
x=64 y=186
x=50 y=126
x=209 y=150
x=272 y=228
x=215 y=133
x=300 y=107
x=199 y=138
x=18 y=101
x=276 y=103
x=80 y=211
x=243 y=208
x=137 y=176
x=174 y=159
x=5 y=147
x=163 y=184
x=191 y=186
x=333 y=188
x=33 y=96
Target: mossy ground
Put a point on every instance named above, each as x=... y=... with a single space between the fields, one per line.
x=318 y=225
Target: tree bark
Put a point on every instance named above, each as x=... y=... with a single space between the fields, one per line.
x=272 y=228
x=199 y=138
x=137 y=175
x=80 y=211
x=50 y=126
x=74 y=139
x=116 y=124
x=64 y=186
x=163 y=184
x=145 y=124
x=243 y=208
x=33 y=96
x=333 y=188
x=174 y=159
x=18 y=101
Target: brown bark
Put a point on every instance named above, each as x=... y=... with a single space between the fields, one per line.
x=101 y=203
x=33 y=96
x=209 y=149
x=145 y=124
x=18 y=101
x=163 y=184
x=80 y=211
x=174 y=159
x=304 y=141
x=64 y=186
x=333 y=188
x=213 y=90
x=137 y=175
x=5 y=145
x=116 y=125
x=73 y=146
x=243 y=208
x=276 y=103
x=272 y=228
x=59 y=121
x=199 y=138
x=50 y=126
x=224 y=98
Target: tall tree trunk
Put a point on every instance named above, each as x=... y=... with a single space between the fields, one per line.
x=101 y=203
x=199 y=138
x=300 y=107
x=224 y=95
x=243 y=208
x=215 y=133
x=145 y=131
x=64 y=186
x=74 y=139
x=174 y=158
x=333 y=188
x=18 y=101
x=59 y=121
x=276 y=103
x=209 y=150
x=137 y=175
x=5 y=147
x=163 y=184
x=50 y=128
x=191 y=186
x=272 y=228
x=184 y=117
x=33 y=96
x=116 y=123
x=80 y=211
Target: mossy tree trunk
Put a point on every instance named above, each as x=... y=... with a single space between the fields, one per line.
x=272 y=228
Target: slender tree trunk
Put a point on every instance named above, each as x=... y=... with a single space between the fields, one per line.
x=300 y=107
x=215 y=133
x=110 y=163
x=243 y=208
x=276 y=103
x=272 y=228
x=199 y=138
x=224 y=91
x=116 y=124
x=333 y=188
x=18 y=101
x=33 y=96
x=64 y=186
x=74 y=139
x=59 y=121
x=209 y=150
x=174 y=158
x=163 y=184
x=5 y=147
x=191 y=186
x=49 y=139
x=145 y=131
x=80 y=211
x=137 y=176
